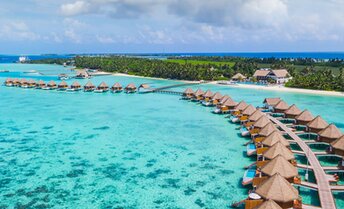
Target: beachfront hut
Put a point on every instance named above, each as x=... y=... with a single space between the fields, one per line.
x=62 y=86
x=40 y=84
x=238 y=77
x=188 y=93
x=277 y=165
x=23 y=83
x=8 y=82
x=269 y=204
x=267 y=130
x=52 y=85
x=274 y=138
x=280 y=107
x=338 y=146
x=130 y=88
x=304 y=117
x=198 y=95
x=75 y=86
x=292 y=111
x=278 y=149
x=278 y=189
x=89 y=86
x=329 y=134
x=103 y=87
x=270 y=102
x=117 y=87
x=317 y=124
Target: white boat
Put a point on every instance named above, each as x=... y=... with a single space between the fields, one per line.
x=46 y=88
x=207 y=104
x=235 y=120
x=73 y=89
x=244 y=132
x=100 y=91
x=63 y=77
x=251 y=149
x=217 y=111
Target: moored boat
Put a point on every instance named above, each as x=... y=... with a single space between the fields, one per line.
x=63 y=76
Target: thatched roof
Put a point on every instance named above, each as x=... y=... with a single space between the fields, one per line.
x=278 y=189
x=278 y=149
x=23 y=80
x=230 y=103
x=267 y=129
x=199 y=92
x=280 y=165
x=51 y=83
x=40 y=82
x=249 y=110
x=31 y=81
x=188 y=91
x=89 y=84
x=269 y=204
x=239 y=76
x=103 y=85
x=224 y=98
x=271 y=101
x=145 y=86
x=281 y=105
x=280 y=73
x=9 y=80
x=117 y=85
x=261 y=122
x=273 y=138
x=208 y=93
x=16 y=80
x=331 y=131
x=317 y=123
x=261 y=73
x=131 y=86
x=256 y=115
x=305 y=116
x=241 y=106
x=293 y=110
x=63 y=83
x=216 y=96
x=75 y=84
x=339 y=143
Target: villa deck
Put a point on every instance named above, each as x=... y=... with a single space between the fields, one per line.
x=324 y=188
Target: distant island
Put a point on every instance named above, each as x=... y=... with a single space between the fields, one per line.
x=307 y=73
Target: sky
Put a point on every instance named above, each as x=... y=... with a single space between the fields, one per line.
x=162 y=26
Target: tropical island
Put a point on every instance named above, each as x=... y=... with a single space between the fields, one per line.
x=306 y=73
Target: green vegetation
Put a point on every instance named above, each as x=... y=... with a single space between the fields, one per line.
x=306 y=73
x=58 y=61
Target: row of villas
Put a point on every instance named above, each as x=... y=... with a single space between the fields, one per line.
x=280 y=76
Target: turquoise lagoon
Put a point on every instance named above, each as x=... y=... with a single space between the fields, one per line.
x=88 y=150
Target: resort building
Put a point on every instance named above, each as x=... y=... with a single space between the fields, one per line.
x=239 y=77
x=280 y=76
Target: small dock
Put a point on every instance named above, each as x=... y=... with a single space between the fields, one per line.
x=165 y=90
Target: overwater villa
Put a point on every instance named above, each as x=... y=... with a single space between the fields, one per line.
x=257 y=126
x=269 y=103
x=267 y=130
x=277 y=165
x=215 y=99
x=236 y=111
x=244 y=114
x=278 y=189
x=268 y=204
x=337 y=147
x=329 y=134
x=317 y=124
x=103 y=87
x=62 y=86
x=270 y=153
x=8 y=82
x=223 y=99
x=131 y=88
x=23 y=83
x=253 y=118
x=292 y=112
x=116 y=88
x=75 y=86
x=89 y=87
x=206 y=97
x=280 y=107
x=40 y=84
x=16 y=82
x=225 y=107
x=31 y=83
x=272 y=139
x=188 y=94
x=51 y=85
x=198 y=95
x=304 y=117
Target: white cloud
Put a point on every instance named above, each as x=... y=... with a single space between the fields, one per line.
x=17 y=30
x=72 y=35
x=76 y=8
x=105 y=39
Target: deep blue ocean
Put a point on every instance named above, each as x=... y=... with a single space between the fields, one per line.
x=314 y=55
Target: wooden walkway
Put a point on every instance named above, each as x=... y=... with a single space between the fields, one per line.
x=324 y=189
x=165 y=90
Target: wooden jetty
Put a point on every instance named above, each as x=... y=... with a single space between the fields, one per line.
x=324 y=188
x=165 y=90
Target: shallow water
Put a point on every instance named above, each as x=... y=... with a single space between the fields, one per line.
x=67 y=150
